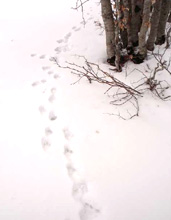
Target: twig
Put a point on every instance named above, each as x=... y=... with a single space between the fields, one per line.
x=82 y=8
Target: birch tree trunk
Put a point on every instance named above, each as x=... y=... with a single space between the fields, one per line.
x=137 y=6
x=154 y=25
x=144 y=28
x=108 y=20
x=169 y=19
x=127 y=19
x=123 y=31
x=117 y=52
x=165 y=10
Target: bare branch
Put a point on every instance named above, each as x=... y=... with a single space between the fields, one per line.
x=80 y=4
x=122 y=95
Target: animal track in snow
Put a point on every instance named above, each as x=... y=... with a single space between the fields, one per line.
x=33 y=54
x=90 y=18
x=67 y=134
x=53 y=90
x=53 y=58
x=88 y=212
x=79 y=188
x=65 y=48
x=67 y=150
x=50 y=72
x=52 y=116
x=77 y=29
x=82 y=22
x=51 y=98
x=42 y=56
x=35 y=83
x=43 y=81
x=45 y=143
x=61 y=49
x=67 y=36
x=58 y=50
x=56 y=76
x=60 y=41
x=44 y=68
x=42 y=109
x=48 y=131
x=70 y=170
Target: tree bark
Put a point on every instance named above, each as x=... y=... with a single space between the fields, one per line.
x=169 y=19
x=165 y=10
x=137 y=6
x=108 y=20
x=154 y=25
x=117 y=55
x=127 y=19
x=144 y=28
x=123 y=31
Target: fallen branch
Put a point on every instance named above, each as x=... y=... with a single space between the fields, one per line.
x=121 y=92
x=122 y=95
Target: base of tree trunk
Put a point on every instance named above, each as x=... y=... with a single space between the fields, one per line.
x=123 y=60
x=124 y=38
x=150 y=47
x=138 y=58
x=135 y=44
x=161 y=40
x=130 y=50
x=111 y=61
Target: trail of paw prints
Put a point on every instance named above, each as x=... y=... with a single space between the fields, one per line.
x=45 y=58
x=46 y=139
x=50 y=116
x=48 y=132
x=49 y=71
x=63 y=47
x=79 y=189
x=76 y=28
x=45 y=143
x=36 y=83
x=63 y=43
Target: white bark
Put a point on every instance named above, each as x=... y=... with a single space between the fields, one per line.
x=154 y=25
x=144 y=28
x=127 y=18
x=108 y=20
x=165 y=10
x=137 y=6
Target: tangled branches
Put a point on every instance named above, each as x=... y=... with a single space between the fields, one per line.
x=121 y=93
x=123 y=96
x=152 y=84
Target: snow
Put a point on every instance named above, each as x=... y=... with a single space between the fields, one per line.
x=62 y=155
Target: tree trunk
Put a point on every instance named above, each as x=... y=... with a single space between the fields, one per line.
x=137 y=6
x=117 y=41
x=123 y=31
x=169 y=19
x=165 y=10
x=127 y=19
x=154 y=25
x=144 y=28
x=108 y=20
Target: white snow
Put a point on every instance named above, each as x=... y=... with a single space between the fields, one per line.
x=62 y=155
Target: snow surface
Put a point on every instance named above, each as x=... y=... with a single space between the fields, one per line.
x=62 y=155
